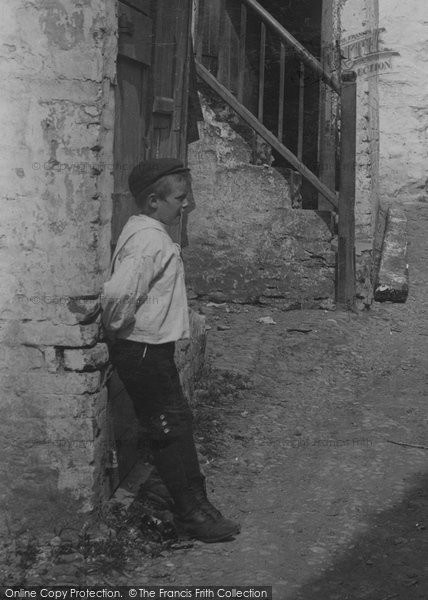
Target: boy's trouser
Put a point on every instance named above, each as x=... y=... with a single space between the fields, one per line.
x=150 y=377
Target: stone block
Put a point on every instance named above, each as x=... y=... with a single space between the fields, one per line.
x=190 y=354
x=47 y=333
x=70 y=405
x=58 y=383
x=393 y=278
x=27 y=357
x=52 y=359
x=86 y=359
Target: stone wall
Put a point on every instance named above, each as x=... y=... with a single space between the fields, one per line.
x=385 y=42
x=246 y=241
x=403 y=101
x=57 y=112
x=359 y=44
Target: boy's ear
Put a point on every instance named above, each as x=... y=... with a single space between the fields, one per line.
x=152 y=201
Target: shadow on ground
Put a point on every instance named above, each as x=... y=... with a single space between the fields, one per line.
x=389 y=562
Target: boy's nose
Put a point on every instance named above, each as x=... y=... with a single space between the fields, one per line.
x=185 y=204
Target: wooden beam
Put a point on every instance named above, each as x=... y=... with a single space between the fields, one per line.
x=223 y=42
x=346 y=246
x=200 y=27
x=301 y=120
x=262 y=59
x=281 y=94
x=242 y=53
x=267 y=135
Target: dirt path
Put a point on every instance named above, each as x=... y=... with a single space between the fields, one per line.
x=330 y=508
x=313 y=462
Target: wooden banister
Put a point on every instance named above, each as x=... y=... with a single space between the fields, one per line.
x=267 y=135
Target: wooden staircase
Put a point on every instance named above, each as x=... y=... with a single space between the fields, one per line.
x=247 y=34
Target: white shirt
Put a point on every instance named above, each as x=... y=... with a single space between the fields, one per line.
x=145 y=298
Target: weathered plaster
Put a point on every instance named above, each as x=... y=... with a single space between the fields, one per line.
x=403 y=102
x=359 y=43
x=57 y=63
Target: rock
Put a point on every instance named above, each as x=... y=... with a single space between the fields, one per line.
x=71 y=558
x=266 y=321
x=55 y=542
x=393 y=279
x=217 y=297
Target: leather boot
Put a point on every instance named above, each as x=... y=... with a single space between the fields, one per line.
x=198 y=487
x=196 y=479
x=193 y=520
x=190 y=518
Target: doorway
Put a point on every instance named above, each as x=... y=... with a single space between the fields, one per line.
x=150 y=122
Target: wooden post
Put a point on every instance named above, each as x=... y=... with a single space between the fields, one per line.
x=301 y=111
x=223 y=42
x=200 y=26
x=346 y=246
x=262 y=59
x=281 y=95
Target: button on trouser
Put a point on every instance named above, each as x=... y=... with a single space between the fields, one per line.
x=153 y=384
x=151 y=380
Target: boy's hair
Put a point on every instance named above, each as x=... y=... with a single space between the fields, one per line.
x=160 y=188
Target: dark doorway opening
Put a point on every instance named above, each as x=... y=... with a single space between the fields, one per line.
x=302 y=18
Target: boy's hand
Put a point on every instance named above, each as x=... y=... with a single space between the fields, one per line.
x=91 y=316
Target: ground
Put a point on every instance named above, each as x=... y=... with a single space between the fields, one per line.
x=323 y=455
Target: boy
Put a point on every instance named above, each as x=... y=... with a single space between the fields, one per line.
x=145 y=308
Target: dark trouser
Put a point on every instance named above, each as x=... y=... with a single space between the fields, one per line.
x=150 y=377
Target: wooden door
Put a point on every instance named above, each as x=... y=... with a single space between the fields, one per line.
x=171 y=78
x=133 y=104
x=150 y=121
x=171 y=65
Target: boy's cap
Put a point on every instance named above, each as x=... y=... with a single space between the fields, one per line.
x=148 y=172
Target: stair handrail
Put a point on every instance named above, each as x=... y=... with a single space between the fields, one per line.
x=267 y=135
x=305 y=56
x=342 y=201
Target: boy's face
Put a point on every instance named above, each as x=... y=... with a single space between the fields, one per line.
x=169 y=207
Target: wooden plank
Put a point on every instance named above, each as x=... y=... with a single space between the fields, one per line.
x=281 y=94
x=262 y=60
x=130 y=144
x=223 y=43
x=183 y=106
x=346 y=247
x=163 y=105
x=200 y=30
x=135 y=35
x=267 y=135
x=301 y=118
x=181 y=81
x=242 y=53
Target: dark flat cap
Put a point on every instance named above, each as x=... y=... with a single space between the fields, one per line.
x=149 y=171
